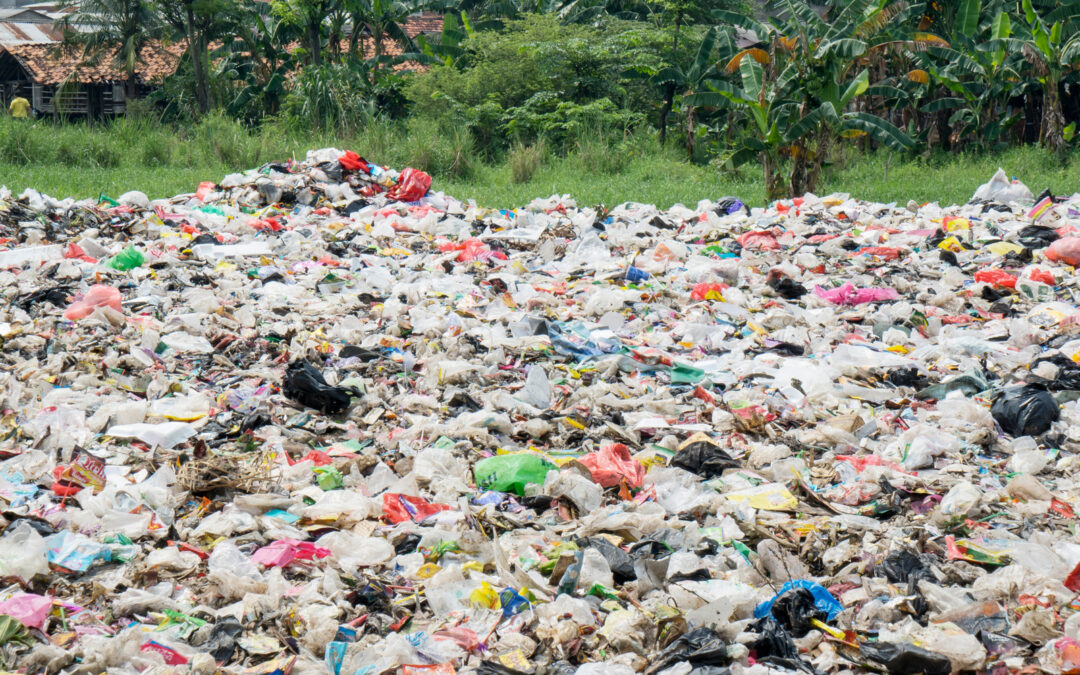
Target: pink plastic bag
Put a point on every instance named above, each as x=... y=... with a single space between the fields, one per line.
x=849 y=295
x=284 y=551
x=612 y=465
x=1066 y=250
x=99 y=295
x=412 y=185
x=30 y=609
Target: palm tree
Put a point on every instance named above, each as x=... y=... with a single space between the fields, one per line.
x=384 y=19
x=117 y=29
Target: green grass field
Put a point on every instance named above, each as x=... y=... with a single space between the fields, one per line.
x=80 y=161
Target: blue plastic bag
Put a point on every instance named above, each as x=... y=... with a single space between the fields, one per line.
x=823 y=599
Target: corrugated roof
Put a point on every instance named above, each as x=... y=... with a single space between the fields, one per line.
x=14 y=33
x=52 y=64
x=23 y=15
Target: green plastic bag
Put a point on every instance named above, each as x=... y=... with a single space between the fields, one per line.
x=511 y=473
x=328 y=478
x=128 y=259
x=684 y=374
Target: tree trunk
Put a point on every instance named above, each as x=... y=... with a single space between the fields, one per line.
x=354 y=40
x=690 y=126
x=314 y=43
x=1053 y=121
x=198 y=64
x=774 y=181
x=669 y=101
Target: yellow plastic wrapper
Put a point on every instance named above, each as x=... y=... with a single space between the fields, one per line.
x=484 y=597
x=1002 y=248
x=767 y=497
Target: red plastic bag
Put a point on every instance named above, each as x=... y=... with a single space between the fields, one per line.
x=99 y=295
x=205 y=188
x=1072 y=582
x=996 y=277
x=351 y=161
x=883 y=252
x=76 y=252
x=613 y=464
x=759 y=241
x=399 y=508
x=1041 y=276
x=412 y=185
x=1066 y=250
x=471 y=249
x=272 y=224
x=708 y=291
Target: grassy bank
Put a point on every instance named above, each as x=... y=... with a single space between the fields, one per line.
x=80 y=161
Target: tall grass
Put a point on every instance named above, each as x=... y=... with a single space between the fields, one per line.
x=139 y=152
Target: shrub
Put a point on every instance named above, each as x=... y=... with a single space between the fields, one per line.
x=524 y=160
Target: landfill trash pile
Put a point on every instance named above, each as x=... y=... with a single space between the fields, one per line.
x=318 y=418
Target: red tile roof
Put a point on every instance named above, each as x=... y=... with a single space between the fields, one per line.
x=427 y=23
x=52 y=64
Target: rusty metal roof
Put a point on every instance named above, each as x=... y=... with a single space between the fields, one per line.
x=17 y=33
x=53 y=63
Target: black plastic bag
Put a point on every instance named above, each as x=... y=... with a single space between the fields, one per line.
x=786 y=288
x=407 y=544
x=701 y=647
x=774 y=646
x=905 y=659
x=620 y=562
x=906 y=377
x=59 y=296
x=903 y=566
x=1027 y=410
x=222 y=642
x=705 y=459
x=496 y=668
x=1037 y=236
x=333 y=171
x=658 y=544
x=304 y=384
x=1068 y=375
x=794 y=610
x=354 y=206
x=204 y=238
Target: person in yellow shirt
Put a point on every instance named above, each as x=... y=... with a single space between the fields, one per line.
x=19 y=108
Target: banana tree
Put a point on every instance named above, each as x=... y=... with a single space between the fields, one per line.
x=692 y=81
x=979 y=78
x=801 y=94
x=1051 y=51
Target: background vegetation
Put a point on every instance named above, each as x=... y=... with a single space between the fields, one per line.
x=652 y=100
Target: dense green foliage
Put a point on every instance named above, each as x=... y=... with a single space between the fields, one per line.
x=782 y=84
